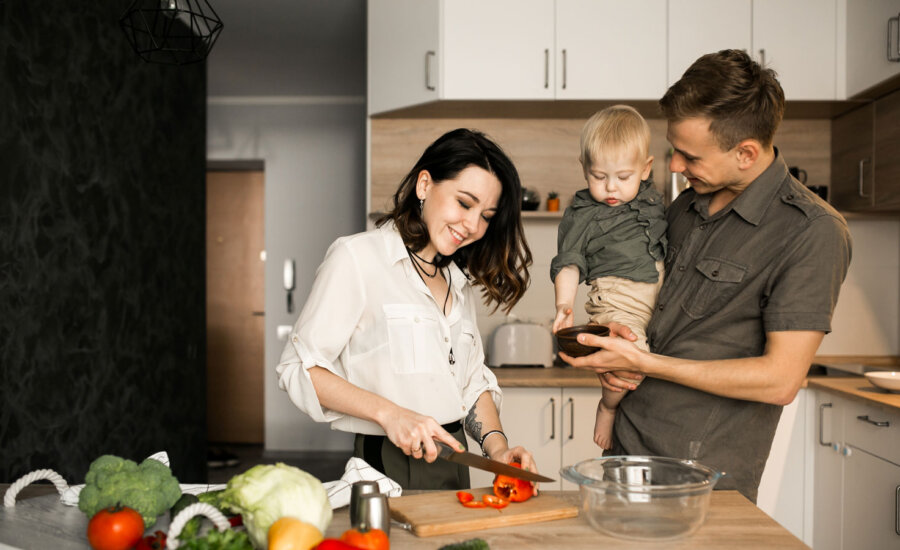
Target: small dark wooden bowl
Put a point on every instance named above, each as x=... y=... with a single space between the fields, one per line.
x=566 y=339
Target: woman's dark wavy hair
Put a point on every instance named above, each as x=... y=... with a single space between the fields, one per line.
x=741 y=98
x=498 y=261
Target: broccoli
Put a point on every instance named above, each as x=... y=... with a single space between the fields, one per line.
x=150 y=488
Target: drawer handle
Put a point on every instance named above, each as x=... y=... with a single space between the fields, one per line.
x=546 y=68
x=552 y=418
x=822 y=408
x=879 y=423
x=572 y=418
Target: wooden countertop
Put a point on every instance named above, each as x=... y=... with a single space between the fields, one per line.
x=39 y=522
x=855 y=387
x=570 y=377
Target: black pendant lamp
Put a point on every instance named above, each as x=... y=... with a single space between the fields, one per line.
x=173 y=32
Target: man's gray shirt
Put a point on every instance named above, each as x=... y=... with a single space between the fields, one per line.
x=772 y=260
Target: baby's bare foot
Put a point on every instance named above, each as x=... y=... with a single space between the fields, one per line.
x=603 y=426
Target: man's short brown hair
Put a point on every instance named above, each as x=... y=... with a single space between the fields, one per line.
x=741 y=98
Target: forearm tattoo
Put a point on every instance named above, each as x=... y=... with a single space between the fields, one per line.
x=473 y=426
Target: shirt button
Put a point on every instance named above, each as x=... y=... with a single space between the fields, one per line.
x=702 y=226
x=662 y=307
x=715 y=273
x=446 y=339
x=416 y=319
x=681 y=268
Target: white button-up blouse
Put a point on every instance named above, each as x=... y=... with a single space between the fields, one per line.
x=371 y=320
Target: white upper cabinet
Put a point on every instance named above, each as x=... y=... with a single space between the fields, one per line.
x=426 y=50
x=698 y=27
x=797 y=38
x=868 y=38
x=609 y=49
x=496 y=49
x=403 y=41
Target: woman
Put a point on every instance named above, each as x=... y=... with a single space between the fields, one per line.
x=387 y=345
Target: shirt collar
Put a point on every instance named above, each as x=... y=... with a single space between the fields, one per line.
x=396 y=251
x=752 y=203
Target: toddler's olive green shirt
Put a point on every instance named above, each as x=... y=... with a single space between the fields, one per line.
x=772 y=260
x=622 y=241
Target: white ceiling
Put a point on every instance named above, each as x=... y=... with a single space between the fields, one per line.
x=289 y=48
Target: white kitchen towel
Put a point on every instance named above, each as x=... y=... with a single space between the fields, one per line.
x=358 y=469
x=70 y=495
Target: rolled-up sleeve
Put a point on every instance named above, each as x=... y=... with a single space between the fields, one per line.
x=479 y=377
x=322 y=331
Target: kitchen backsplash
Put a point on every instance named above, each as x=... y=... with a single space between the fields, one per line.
x=545 y=151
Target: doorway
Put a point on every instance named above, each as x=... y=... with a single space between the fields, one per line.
x=235 y=305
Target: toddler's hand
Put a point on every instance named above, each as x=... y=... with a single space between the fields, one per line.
x=564 y=317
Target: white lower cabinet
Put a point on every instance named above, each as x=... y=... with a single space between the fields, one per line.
x=555 y=424
x=857 y=478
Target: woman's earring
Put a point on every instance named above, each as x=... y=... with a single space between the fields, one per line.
x=421 y=204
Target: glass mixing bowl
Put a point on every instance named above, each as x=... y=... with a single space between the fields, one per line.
x=643 y=497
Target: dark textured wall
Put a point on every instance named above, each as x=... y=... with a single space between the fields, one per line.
x=102 y=208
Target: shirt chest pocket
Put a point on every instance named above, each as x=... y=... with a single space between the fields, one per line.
x=719 y=281
x=413 y=335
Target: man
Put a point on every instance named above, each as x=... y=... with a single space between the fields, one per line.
x=753 y=270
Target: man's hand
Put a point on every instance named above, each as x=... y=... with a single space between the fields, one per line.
x=616 y=360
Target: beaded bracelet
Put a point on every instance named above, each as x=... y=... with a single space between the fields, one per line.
x=485 y=436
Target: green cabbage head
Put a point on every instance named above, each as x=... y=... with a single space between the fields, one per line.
x=265 y=493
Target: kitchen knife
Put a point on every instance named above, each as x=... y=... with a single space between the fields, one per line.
x=472 y=460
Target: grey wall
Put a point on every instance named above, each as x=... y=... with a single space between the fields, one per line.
x=314 y=193
x=287 y=85
x=102 y=202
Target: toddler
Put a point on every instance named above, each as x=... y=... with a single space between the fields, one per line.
x=613 y=236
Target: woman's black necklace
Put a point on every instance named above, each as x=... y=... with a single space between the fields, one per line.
x=448 y=278
x=419 y=266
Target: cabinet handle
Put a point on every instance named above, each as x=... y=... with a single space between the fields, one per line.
x=546 y=68
x=571 y=418
x=893 y=54
x=879 y=423
x=762 y=57
x=552 y=418
x=822 y=408
x=428 y=56
x=862 y=165
x=565 y=66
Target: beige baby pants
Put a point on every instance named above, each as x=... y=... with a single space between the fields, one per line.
x=624 y=301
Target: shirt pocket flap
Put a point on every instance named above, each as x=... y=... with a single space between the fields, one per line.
x=721 y=271
x=409 y=312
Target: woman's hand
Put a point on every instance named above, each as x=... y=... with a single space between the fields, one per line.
x=414 y=434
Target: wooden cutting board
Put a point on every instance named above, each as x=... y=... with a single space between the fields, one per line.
x=440 y=513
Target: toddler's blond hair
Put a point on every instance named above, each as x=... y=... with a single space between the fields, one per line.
x=615 y=130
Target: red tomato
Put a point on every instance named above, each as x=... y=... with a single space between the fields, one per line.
x=464 y=497
x=115 y=528
x=371 y=539
x=512 y=488
x=156 y=541
x=494 y=501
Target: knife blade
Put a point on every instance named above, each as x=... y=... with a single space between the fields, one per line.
x=474 y=461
